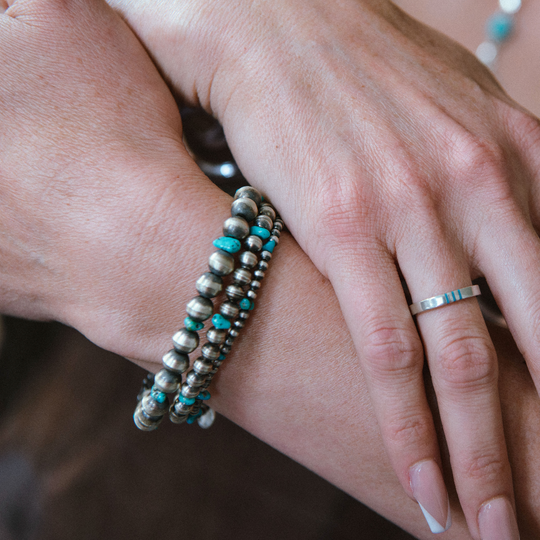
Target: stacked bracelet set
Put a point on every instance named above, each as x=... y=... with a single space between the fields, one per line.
x=256 y=224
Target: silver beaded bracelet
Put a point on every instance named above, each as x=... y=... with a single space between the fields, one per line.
x=256 y=224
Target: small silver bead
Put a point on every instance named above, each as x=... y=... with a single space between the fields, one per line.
x=246 y=208
x=278 y=224
x=244 y=314
x=255 y=286
x=180 y=408
x=263 y=265
x=234 y=292
x=239 y=324
x=210 y=352
x=202 y=365
x=195 y=379
x=152 y=407
x=175 y=361
x=275 y=232
x=229 y=342
x=185 y=341
x=216 y=335
x=248 y=259
x=229 y=310
x=209 y=285
x=200 y=308
x=189 y=391
x=176 y=418
x=258 y=274
x=217 y=363
x=236 y=227
x=267 y=210
x=241 y=277
x=225 y=349
x=266 y=255
x=251 y=295
x=234 y=333
x=274 y=238
x=253 y=243
x=264 y=222
x=221 y=263
x=249 y=193
x=167 y=381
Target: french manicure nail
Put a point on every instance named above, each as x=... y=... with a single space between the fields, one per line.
x=430 y=493
x=497 y=520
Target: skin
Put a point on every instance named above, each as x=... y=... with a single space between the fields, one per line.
x=384 y=145
x=98 y=204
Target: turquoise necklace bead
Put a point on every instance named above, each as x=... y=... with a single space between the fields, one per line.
x=192 y=325
x=230 y=245
x=499 y=27
x=262 y=233
x=219 y=321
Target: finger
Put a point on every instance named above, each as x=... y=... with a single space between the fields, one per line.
x=463 y=366
x=370 y=293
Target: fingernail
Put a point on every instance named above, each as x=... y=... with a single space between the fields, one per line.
x=430 y=493
x=497 y=520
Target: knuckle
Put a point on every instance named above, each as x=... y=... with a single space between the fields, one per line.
x=407 y=431
x=526 y=128
x=391 y=352
x=488 y=467
x=467 y=362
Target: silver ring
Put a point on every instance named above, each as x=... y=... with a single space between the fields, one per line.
x=445 y=299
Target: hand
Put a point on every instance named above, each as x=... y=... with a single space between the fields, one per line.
x=383 y=143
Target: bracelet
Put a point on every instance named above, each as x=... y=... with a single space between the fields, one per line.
x=256 y=224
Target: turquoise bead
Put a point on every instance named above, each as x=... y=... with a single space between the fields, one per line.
x=269 y=246
x=222 y=357
x=245 y=303
x=158 y=395
x=500 y=27
x=260 y=232
x=193 y=417
x=192 y=325
x=252 y=305
x=230 y=245
x=219 y=321
x=186 y=400
x=204 y=395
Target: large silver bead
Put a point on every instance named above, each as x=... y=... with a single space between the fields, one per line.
x=229 y=310
x=242 y=276
x=253 y=243
x=189 y=391
x=152 y=407
x=221 y=263
x=216 y=335
x=209 y=285
x=175 y=361
x=195 y=379
x=264 y=222
x=167 y=381
x=248 y=259
x=143 y=421
x=210 y=352
x=203 y=366
x=267 y=210
x=246 y=208
x=185 y=341
x=180 y=408
x=236 y=227
x=176 y=418
x=200 y=308
x=234 y=292
x=249 y=193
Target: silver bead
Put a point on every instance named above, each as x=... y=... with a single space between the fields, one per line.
x=195 y=379
x=266 y=255
x=210 y=352
x=216 y=335
x=167 y=381
x=152 y=407
x=267 y=210
x=189 y=391
x=176 y=418
x=221 y=263
x=239 y=324
x=275 y=232
x=234 y=292
x=274 y=238
x=200 y=308
x=263 y=265
x=255 y=286
x=209 y=285
x=248 y=259
x=229 y=342
x=253 y=243
x=202 y=366
x=175 y=361
x=258 y=275
x=251 y=295
x=143 y=421
x=225 y=349
x=185 y=341
x=236 y=227
x=244 y=314
x=241 y=276
x=207 y=418
x=246 y=208
x=229 y=310
x=264 y=221
x=249 y=193
x=180 y=408
x=234 y=333
x=278 y=224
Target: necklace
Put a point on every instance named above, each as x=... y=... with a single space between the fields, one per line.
x=499 y=28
